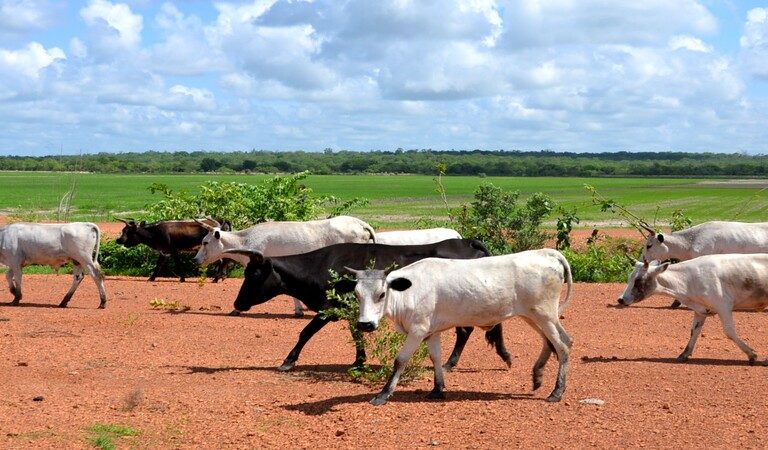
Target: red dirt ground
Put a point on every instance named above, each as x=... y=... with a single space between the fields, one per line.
x=202 y=379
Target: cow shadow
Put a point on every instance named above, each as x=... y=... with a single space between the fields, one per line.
x=618 y=306
x=320 y=407
x=316 y=373
x=36 y=305
x=219 y=313
x=691 y=361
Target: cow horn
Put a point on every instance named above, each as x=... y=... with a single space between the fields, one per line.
x=632 y=260
x=355 y=272
x=253 y=254
x=121 y=220
x=205 y=225
x=647 y=228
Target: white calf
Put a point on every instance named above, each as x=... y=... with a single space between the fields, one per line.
x=53 y=244
x=711 y=284
x=432 y=295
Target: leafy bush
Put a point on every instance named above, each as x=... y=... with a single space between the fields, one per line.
x=495 y=218
x=140 y=261
x=603 y=261
x=383 y=345
x=277 y=198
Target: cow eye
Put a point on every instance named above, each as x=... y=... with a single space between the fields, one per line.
x=649 y=246
x=381 y=296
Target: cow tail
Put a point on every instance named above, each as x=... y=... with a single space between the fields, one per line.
x=371 y=233
x=568 y=280
x=98 y=243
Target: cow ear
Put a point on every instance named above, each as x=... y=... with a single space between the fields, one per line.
x=217 y=234
x=400 y=284
x=660 y=237
x=664 y=267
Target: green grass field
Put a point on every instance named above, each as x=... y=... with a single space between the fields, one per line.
x=396 y=200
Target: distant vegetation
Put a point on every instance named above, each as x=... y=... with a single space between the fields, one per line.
x=423 y=161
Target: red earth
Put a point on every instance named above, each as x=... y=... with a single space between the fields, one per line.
x=203 y=379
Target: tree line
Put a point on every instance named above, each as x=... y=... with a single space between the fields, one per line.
x=414 y=161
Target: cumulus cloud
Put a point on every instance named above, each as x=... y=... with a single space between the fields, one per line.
x=754 y=42
x=25 y=15
x=21 y=71
x=114 y=27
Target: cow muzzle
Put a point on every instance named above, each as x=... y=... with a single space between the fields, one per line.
x=366 y=326
x=624 y=302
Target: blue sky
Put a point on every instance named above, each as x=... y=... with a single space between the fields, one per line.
x=565 y=75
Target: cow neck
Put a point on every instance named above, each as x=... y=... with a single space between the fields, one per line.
x=672 y=284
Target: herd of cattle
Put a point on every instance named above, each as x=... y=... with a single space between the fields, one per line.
x=425 y=281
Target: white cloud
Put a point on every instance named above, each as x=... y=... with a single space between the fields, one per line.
x=754 y=42
x=689 y=43
x=113 y=26
x=25 y=15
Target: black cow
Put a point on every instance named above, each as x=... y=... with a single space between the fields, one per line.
x=169 y=237
x=306 y=276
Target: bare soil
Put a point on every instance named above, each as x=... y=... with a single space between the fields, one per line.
x=203 y=379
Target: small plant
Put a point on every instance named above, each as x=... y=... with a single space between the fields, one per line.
x=564 y=227
x=167 y=305
x=103 y=436
x=383 y=345
x=133 y=399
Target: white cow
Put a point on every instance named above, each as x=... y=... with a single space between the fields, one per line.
x=710 y=284
x=708 y=238
x=432 y=295
x=281 y=239
x=416 y=237
x=53 y=244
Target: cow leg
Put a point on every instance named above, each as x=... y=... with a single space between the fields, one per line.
x=541 y=361
x=495 y=338
x=158 y=266
x=433 y=344
x=562 y=342
x=94 y=268
x=698 y=324
x=412 y=342
x=14 y=283
x=179 y=268
x=462 y=336
x=726 y=318
x=314 y=325
x=297 y=308
x=77 y=277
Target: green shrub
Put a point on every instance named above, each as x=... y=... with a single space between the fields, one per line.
x=495 y=218
x=276 y=198
x=603 y=261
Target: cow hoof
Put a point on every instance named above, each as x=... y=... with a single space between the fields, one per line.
x=286 y=366
x=682 y=358
x=752 y=361
x=379 y=400
x=62 y=305
x=553 y=398
x=298 y=314
x=448 y=367
x=536 y=384
x=15 y=303
x=234 y=313
x=102 y=305
x=151 y=279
